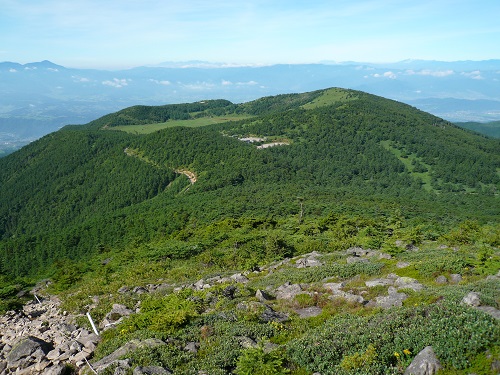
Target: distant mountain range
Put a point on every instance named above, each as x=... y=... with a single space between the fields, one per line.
x=40 y=97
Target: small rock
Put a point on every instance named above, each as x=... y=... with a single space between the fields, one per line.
x=123 y=289
x=247 y=342
x=441 y=280
x=262 y=296
x=288 y=291
x=229 y=291
x=455 y=278
x=139 y=290
x=333 y=287
x=57 y=369
x=239 y=278
x=425 y=363
x=378 y=282
x=472 y=299
x=384 y=256
x=309 y=312
x=402 y=264
x=192 y=347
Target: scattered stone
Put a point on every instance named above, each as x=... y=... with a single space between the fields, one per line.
x=309 y=312
x=425 y=363
x=123 y=289
x=411 y=247
x=24 y=348
x=379 y=282
x=288 y=291
x=472 y=299
x=229 y=291
x=384 y=256
x=455 y=278
x=393 y=299
x=402 y=264
x=270 y=315
x=441 y=280
x=333 y=287
x=246 y=342
x=357 y=251
x=139 y=290
x=239 y=278
x=118 y=312
x=192 y=347
x=262 y=296
x=408 y=283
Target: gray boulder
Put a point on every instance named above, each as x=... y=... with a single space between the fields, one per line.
x=441 y=280
x=472 y=299
x=490 y=310
x=309 y=312
x=455 y=278
x=425 y=363
x=288 y=291
x=24 y=348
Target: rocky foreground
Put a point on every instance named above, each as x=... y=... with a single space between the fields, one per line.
x=42 y=339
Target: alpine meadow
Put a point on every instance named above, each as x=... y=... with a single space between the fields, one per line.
x=326 y=232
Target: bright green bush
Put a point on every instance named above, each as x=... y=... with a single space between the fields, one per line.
x=256 y=361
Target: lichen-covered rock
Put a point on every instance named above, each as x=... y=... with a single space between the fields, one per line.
x=472 y=299
x=425 y=363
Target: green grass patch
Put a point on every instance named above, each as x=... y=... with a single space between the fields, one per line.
x=413 y=164
x=329 y=97
x=192 y=123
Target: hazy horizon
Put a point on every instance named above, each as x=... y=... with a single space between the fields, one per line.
x=124 y=34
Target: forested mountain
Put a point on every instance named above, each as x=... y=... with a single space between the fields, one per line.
x=491 y=128
x=87 y=187
x=331 y=231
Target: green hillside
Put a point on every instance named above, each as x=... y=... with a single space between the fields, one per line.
x=180 y=192
x=491 y=129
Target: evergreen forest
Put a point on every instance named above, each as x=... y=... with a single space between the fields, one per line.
x=109 y=204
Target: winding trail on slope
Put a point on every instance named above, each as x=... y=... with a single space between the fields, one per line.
x=135 y=153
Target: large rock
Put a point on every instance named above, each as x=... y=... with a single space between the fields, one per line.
x=425 y=363
x=472 y=299
x=24 y=348
x=393 y=299
x=490 y=310
x=288 y=291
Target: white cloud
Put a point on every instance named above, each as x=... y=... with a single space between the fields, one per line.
x=32 y=68
x=476 y=74
x=198 y=86
x=80 y=79
x=118 y=83
x=164 y=82
x=226 y=83
x=52 y=70
x=249 y=83
x=12 y=70
x=433 y=73
x=389 y=74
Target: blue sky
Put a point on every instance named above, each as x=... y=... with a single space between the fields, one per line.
x=114 y=34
